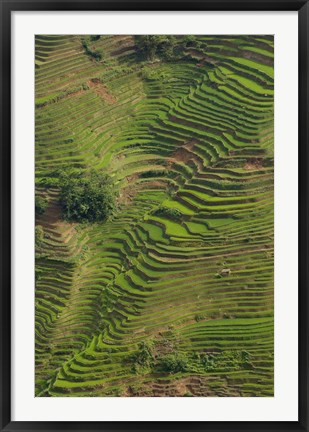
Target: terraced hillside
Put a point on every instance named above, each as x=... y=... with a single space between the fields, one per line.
x=173 y=294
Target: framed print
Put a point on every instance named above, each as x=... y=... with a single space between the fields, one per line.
x=154 y=215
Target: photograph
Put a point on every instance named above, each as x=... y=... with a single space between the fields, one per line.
x=154 y=215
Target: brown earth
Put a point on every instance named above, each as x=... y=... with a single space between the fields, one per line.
x=254 y=164
x=100 y=89
x=192 y=385
x=53 y=224
x=128 y=192
x=183 y=153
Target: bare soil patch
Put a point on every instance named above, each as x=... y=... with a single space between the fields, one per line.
x=127 y=194
x=124 y=46
x=192 y=385
x=258 y=58
x=77 y=93
x=101 y=90
x=183 y=153
x=205 y=60
x=53 y=223
x=51 y=215
x=254 y=164
x=155 y=184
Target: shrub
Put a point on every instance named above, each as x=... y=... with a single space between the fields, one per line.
x=38 y=274
x=165 y=47
x=171 y=213
x=199 y=317
x=174 y=363
x=41 y=204
x=190 y=40
x=234 y=360
x=91 y=53
x=208 y=361
x=245 y=357
x=144 y=355
x=39 y=235
x=94 y=37
x=86 y=196
x=150 y=74
x=143 y=359
x=150 y=46
x=153 y=173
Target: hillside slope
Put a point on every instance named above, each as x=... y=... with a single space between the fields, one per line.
x=173 y=295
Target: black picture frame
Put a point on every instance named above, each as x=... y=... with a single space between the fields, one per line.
x=6 y=7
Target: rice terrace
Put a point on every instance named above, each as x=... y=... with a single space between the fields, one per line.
x=154 y=216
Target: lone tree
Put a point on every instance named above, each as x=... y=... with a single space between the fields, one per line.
x=86 y=196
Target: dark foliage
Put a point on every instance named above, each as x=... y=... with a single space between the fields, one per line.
x=94 y=38
x=144 y=355
x=91 y=53
x=41 y=204
x=174 y=362
x=39 y=235
x=151 y=46
x=165 y=47
x=86 y=196
x=170 y=213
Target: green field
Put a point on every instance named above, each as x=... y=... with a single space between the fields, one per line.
x=172 y=295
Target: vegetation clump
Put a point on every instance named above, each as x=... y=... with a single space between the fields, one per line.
x=174 y=362
x=151 y=46
x=143 y=359
x=41 y=204
x=148 y=359
x=170 y=213
x=165 y=47
x=39 y=235
x=151 y=74
x=86 y=196
x=144 y=355
x=94 y=37
x=227 y=359
x=90 y=52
